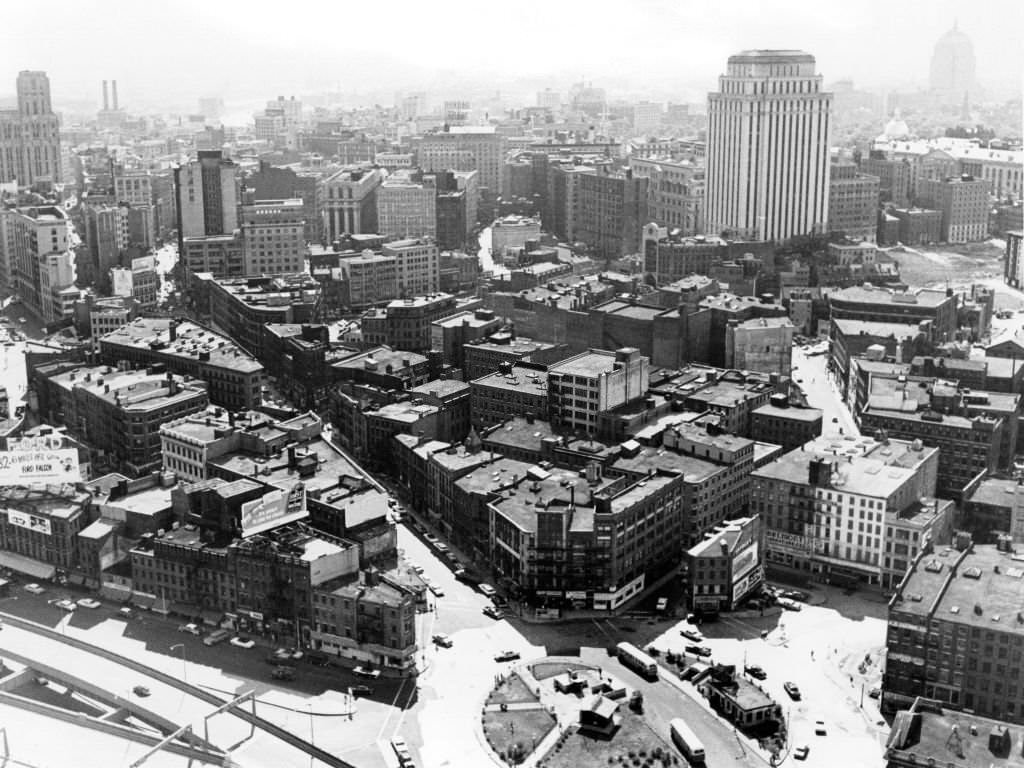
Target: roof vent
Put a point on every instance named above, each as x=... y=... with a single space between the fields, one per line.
x=972 y=573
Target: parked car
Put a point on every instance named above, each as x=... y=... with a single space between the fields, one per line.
x=819 y=728
x=124 y=613
x=435 y=590
x=88 y=602
x=692 y=634
x=35 y=589
x=801 y=752
x=402 y=751
x=241 y=641
x=789 y=604
x=487 y=590
x=318 y=658
x=66 y=605
x=361 y=671
x=662 y=605
x=192 y=629
x=493 y=612
x=217 y=636
x=755 y=671
x=283 y=673
x=360 y=690
x=417 y=568
x=698 y=650
x=443 y=640
x=875 y=693
x=141 y=691
x=792 y=689
x=506 y=656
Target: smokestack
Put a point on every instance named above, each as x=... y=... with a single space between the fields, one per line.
x=106 y=100
x=113 y=92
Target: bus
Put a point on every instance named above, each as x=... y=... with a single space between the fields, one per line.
x=686 y=741
x=637 y=660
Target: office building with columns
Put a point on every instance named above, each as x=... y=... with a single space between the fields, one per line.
x=769 y=125
x=349 y=202
x=30 y=135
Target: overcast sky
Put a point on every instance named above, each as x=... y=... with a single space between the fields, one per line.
x=173 y=52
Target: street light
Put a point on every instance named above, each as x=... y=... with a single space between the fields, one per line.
x=184 y=666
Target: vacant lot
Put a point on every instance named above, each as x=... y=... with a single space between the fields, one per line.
x=934 y=266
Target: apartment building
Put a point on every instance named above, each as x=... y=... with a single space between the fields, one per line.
x=417 y=268
x=40 y=264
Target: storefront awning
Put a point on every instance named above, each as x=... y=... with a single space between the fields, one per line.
x=27 y=566
x=212 y=618
x=142 y=600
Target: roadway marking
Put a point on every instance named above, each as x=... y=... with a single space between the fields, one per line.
x=391 y=709
x=603 y=630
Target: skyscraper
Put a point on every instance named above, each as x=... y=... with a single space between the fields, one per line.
x=768 y=147
x=208 y=235
x=952 y=71
x=30 y=134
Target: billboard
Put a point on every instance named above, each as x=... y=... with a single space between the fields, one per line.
x=21 y=467
x=29 y=521
x=273 y=509
x=746 y=584
x=744 y=561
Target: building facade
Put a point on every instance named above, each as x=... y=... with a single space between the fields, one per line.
x=768 y=166
x=273 y=236
x=30 y=135
x=853 y=202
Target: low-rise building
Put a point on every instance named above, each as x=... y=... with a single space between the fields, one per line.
x=993 y=507
x=513 y=390
x=726 y=567
x=761 y=344
x=740 y=701
x=485 y=355
x=955 y=633
x=582 y=386
x=40 y=528
x=233 y=378
x=784 y=424
x=369 y=620
x=830 y=508
x=450 y=334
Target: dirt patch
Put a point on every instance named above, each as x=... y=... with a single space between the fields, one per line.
x=635 y=745
x=512 y=690
x=959 y=265
x=515 y=734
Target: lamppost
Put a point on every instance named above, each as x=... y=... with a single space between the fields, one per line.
x=184 y=665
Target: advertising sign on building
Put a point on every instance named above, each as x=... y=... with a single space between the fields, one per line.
x=29 y=521
x=27 y=467
x=744 y=561
x=781 y=541
x=273 y=509
x=747 y=584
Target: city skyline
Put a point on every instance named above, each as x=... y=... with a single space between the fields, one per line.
x=677 y=53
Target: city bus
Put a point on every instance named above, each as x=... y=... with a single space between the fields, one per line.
x=637 y=660
x=687 y=742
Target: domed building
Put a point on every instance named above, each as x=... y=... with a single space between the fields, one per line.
x=895 y=129
x=952 y=71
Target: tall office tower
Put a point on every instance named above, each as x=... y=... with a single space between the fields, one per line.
x=951 y=78
x=768 y=142
x=30 y=134
x=206 y=190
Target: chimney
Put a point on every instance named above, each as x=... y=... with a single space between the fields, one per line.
x=172 y=331
x=291 y=457
x=113 y=92
x=106 y=100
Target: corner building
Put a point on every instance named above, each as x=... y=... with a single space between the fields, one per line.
x=768 y=147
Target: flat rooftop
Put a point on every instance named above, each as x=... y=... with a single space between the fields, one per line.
x=152 y=334
x=590 y=364
x=867 y=467
x=987 y=590
x=523 y=379
x=877 y=329
x=859 y=294
x=790 y=413
x=996 y=492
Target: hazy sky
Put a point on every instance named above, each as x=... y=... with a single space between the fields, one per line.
x=173 y=52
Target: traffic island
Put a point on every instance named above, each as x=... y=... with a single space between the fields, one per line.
x=514 y=721
x=634 y=745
